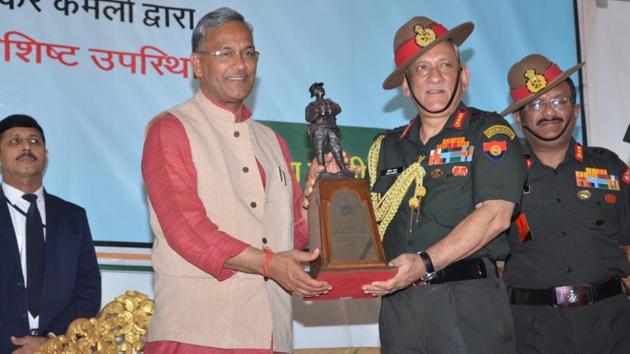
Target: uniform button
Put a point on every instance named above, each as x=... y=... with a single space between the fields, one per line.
x=599 y=222
x=237 y=134
x=245 y=169
x=563 y=233
x=23 y=315
x=264 y=240
x=252 y=204
x=568 y=270
x=558 y=200
x=20 y=284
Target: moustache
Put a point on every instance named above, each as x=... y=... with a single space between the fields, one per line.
x=26 y=154
x=546 y=120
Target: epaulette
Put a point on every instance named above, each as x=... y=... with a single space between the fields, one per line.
x=399 y=132
x=491 y=124
x=479 y=114
x=395 y=131
x=602 y=153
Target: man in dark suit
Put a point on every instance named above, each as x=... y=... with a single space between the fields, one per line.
x=49 y=275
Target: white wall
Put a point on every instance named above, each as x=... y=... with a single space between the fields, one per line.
x=604 y=36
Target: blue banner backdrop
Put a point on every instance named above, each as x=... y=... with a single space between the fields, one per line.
x=94 y=72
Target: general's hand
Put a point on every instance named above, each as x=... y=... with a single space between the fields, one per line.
x=27 y=344
x=287 y=269
x=311 y=177
x=315 y=170
x=410 y=269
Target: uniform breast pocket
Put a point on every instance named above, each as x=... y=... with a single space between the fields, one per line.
x=597 y=215
x=449 y=201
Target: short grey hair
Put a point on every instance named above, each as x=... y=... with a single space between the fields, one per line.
x=214 y=19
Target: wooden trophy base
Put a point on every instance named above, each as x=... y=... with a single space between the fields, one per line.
x=342 y=225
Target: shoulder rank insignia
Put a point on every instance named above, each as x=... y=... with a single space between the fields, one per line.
x=460 y=118
x=596 y=178
x=495 y=150
x=451 y=150
x=578 y=152
x=499 y=129
x=626 y=176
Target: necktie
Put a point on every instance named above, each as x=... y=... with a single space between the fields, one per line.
x=34 y=255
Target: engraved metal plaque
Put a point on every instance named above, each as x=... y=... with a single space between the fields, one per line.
x=349 y=229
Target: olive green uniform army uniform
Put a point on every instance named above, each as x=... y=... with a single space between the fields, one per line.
x=476 y=157
x=574 y=220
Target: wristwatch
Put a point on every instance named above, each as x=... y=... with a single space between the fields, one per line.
x=428 y=265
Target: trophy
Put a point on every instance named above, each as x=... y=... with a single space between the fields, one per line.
x=340 y=215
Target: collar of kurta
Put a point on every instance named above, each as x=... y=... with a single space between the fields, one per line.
x=245 y=112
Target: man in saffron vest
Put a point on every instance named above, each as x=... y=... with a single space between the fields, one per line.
x=225 y=210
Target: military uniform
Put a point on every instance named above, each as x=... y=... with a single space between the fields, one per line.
x=476 y=157
x=574 y=220
x=323 y=129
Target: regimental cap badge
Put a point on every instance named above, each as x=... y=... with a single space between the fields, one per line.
x=535 y=81
x=424 y=36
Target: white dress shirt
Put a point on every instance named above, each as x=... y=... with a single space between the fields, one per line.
x=15 y=200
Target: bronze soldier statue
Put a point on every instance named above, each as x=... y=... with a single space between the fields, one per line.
x=323 y=130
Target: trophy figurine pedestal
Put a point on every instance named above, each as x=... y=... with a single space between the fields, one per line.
x=342 y=225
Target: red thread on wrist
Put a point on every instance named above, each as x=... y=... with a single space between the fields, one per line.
x=267 y=262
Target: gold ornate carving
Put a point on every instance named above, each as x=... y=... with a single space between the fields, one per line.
x=119 y=328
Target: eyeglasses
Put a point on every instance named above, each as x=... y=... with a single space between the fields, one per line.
x=556 y=103
x=248 y=55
